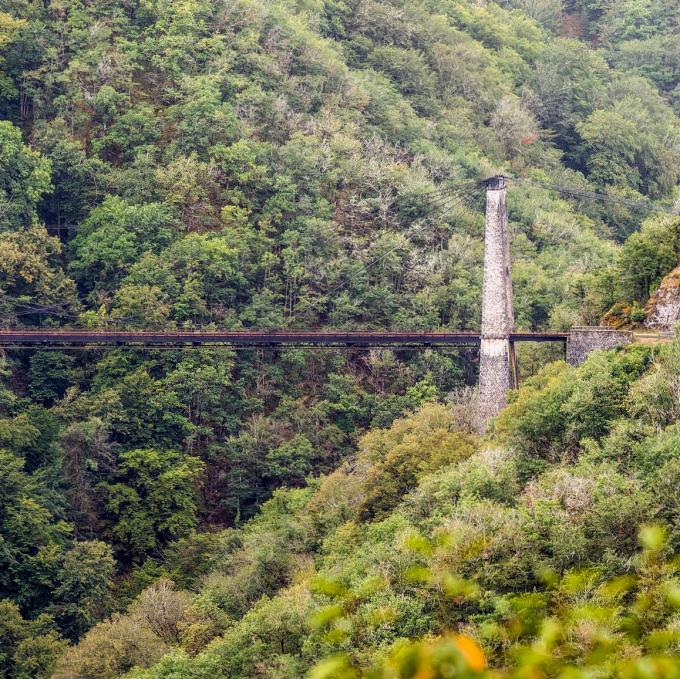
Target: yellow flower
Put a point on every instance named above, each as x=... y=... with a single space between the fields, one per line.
x=425 y=671
x=471 y=651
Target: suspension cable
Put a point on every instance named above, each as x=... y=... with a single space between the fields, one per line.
x=445 y=206
x=599 y=196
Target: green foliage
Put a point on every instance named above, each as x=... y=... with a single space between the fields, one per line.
x=582 y=623
x=553 y=412
x=32 y=533
x=409 y=448
x=30 y=275
x=25 y=178
x=569 y=84
x=82 y=596
x=30 y=648
x=113 y=237
x=242 y=186
x=152 y=501
x=50 y=374
x=647 y=256
x=291 y=462
x=628 y=145
x=111 y=649
x=612 y=149
x=187 y=164
x=429 y=529
x=190 y=558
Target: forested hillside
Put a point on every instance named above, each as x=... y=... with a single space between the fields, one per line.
x=263 y=164
x=526 y=542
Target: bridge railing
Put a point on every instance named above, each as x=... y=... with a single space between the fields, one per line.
x=364 y=338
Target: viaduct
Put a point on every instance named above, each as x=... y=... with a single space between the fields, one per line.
x=497 y=361
x=496 y=340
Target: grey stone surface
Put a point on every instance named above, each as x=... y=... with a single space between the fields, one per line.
x=582 y=341
x=663 y=308
x=497 y=364
x=494 y=379
x=497 y=314
x=496 y=355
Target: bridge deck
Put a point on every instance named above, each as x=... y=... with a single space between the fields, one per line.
x=259 y=338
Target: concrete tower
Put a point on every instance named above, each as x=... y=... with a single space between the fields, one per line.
x=497 y=366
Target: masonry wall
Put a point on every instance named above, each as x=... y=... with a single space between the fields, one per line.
x=496 y=355
x=582 y=341
x=497 y=315
x=494 y=379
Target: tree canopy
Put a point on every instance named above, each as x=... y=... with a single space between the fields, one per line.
x=184 y=164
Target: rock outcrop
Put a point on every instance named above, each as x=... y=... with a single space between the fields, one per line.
x=663 y=308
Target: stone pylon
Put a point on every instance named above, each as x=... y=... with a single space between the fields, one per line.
x=497 y=366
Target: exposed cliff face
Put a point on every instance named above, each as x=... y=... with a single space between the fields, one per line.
x=663 y=308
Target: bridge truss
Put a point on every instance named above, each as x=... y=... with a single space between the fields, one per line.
x=248 y=339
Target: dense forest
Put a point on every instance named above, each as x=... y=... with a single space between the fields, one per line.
x=183 y=164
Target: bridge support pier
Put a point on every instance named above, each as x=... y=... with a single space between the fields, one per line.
x=497 y=363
